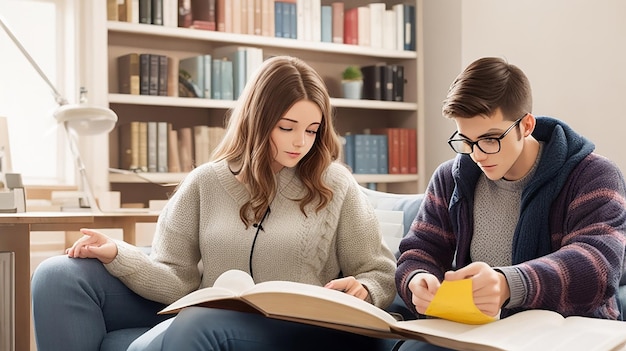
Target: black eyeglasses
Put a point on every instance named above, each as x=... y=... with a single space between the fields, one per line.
x=486 y=145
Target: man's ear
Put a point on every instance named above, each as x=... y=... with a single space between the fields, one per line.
x=528 y=124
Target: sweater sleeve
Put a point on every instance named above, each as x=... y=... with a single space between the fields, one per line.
x=171 y=269
x=361 y=250
x=430 y=244
x=588 y=225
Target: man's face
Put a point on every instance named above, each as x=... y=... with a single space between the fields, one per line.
x=503 y=163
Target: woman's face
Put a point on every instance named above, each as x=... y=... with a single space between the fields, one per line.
x=294 y=134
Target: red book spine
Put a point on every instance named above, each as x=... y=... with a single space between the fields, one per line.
x=351 y=26
x=412 y=151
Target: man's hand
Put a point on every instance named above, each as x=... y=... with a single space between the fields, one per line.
x=489 y=288
x=93 y=244
x=424 y=286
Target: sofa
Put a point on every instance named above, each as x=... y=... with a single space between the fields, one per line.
x=395 y=212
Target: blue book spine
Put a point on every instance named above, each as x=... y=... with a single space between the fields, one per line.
x=293 y=23
x=361 y=154
x=348 y=151
x=327 y=23
x=286 y=20
x=383 y=154
x=227 y=80
x=278 y=19
x=409 y=27
x=372 y=161
x=216 y=79
x=208 y=59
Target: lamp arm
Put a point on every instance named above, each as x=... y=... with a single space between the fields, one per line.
x=57 y=96
x=91 y=198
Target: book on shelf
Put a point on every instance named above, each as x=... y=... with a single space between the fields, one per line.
x=204 y=14
x=191 y=76
x=398 y=10
x=201 y=144
x=128 y=74
x=163 y=75
x=256 y=18
x=398 y=82
x=351 y=26
x=389 y=30
x=162 y=146
x=337 y=19
x=156 y=13
x=145 y=11
x=238 y=56
x=372 y=82
x=387 y=78
x=409 y=27
x=326 y=24
x=363 y=25
x=112 y=10
x=220 y=15
x=153 y=85
x=316 y=305
x=186 y=149
x=185 y=16
x=170 y=13
x=226 y=79
x=376 y=27
x=267 y=18
x=129 y=146
x=216 y=79
x=393 y=148
x=152 y=146
x=173 y=155
x=172 y=76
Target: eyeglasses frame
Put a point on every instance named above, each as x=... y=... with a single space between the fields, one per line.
x=472 y=143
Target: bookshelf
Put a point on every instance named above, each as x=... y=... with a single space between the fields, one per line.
x=329 y=59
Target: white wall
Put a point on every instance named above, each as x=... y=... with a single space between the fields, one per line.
x=572 y=51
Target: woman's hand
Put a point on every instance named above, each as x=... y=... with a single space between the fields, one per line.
x=93 y=244
x=350 y=286
x=424 y=286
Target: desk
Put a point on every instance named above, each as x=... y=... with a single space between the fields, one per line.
x=15 y=231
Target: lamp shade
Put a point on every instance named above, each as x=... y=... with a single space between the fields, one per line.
x=86 y=119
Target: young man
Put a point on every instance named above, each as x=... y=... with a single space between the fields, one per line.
x=526 y=210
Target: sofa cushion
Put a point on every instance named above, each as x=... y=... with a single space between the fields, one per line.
x=395 y=212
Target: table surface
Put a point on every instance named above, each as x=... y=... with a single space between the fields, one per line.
x=14 y=236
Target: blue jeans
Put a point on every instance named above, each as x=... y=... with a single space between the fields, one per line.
x=78 y=305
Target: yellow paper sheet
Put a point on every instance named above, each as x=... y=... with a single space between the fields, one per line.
x=454 y=301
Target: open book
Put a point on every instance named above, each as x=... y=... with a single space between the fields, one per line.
x=315 y=305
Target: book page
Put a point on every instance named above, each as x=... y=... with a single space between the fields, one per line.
x=229 y=284
x=297 y=301
x=529 y=330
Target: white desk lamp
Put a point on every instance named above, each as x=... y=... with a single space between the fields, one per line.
x=82 y=119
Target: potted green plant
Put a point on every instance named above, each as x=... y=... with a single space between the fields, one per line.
x=352 y=82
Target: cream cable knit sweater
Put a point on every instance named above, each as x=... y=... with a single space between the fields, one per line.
x=201 y=222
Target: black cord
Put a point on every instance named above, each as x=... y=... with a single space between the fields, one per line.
x=258 y=227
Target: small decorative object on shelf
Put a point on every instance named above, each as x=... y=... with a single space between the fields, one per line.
x=352 y=82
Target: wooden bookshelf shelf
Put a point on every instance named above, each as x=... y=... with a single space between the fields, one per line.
x=226 y=104
x=254 y=40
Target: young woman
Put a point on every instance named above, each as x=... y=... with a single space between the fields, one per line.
x=272 y=203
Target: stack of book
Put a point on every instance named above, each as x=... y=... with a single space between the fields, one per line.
x=219 y=76
x=382 y=151
x=372 y=24
x=157 y=147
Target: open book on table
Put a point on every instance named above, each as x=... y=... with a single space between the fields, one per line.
x=315 y=305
